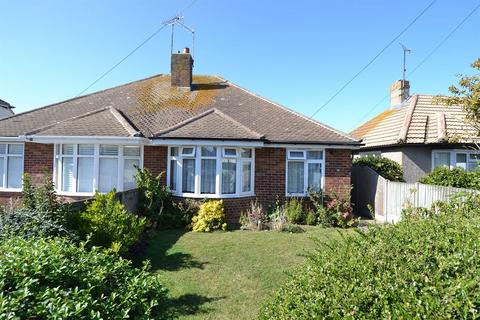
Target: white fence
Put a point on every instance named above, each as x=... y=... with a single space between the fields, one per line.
x=397 y=195
x=388 y=198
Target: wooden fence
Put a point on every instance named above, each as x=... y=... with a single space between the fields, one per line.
x=388 y=198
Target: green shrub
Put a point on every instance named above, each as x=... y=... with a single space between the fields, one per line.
x=210 y=217
x=425 y=268
x=312 y=218
x=385 y=167
x=27 y=223
x=337 y=212
x=457 y=177
x=109 y=224
x=43 y=278
x=294 y=210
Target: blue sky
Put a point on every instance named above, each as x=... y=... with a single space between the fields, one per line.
x=297 y=53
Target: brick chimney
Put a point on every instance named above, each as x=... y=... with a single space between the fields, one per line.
x=181 y=69
x=399 y=92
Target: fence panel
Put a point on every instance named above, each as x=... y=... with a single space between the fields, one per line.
x=399 y=195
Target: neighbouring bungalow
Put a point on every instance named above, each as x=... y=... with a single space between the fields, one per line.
x=420 y=134
x=212 y=138
x=6 y=110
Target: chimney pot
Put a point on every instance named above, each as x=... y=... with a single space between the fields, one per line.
x=399 y=92
x=186 y=50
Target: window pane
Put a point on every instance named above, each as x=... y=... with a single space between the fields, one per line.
x=461 y=161
x=247 y=176
x=85 y=175
x=208 y=175
x=67 y=149
x=474 y=156
x=15 y=149
x=67 y=174
x=314 y=176
x=296 y=154
x=3 y=148
x=296 y=177
x=108 y=150
x=2 y=165
x=173 y=175
x=131 y=151
x=108 y=176
x=174 y=151
x=315 y=155
x=14 y=172
x=209 y=151
x=188 y=175
x=188 y=151
x=86 y=149
x=441 y=159
x=246 y=153
x=229 y=173
x=230 y=152
x=129 y=173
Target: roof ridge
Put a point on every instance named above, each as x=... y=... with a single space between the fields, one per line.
x=291 y=111
x=226 y=116
x=184 y=122
x=83 y=96
x=402 y=136
x=124 y=122
x=83 y=115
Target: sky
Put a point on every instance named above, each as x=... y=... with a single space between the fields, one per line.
x=297 y=53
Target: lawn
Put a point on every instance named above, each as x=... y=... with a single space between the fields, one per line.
x=227 y=275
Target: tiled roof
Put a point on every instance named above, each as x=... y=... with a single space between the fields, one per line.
x=420 y=119
x=153 y=107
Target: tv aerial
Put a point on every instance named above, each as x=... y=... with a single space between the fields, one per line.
x=405 y=51
x=178 y=21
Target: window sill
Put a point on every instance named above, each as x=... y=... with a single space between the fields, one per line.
x=75 y=194
x=213 y=196
x=11 y=190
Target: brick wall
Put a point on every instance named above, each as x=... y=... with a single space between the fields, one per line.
x=155 y=160
x=338 y=168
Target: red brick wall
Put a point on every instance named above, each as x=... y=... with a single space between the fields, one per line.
x=155 y=160
x=338 y=168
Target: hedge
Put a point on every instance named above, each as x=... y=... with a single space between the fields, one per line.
x=419 y=268
x=457 y=177
x=52 y=278
x=385 y=167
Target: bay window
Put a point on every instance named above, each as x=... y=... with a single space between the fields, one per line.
x=210 y=171
x=304 y=171
x=468 y=160
x=11 y=166
x=84 y=168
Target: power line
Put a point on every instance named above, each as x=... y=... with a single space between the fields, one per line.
x=431 y=53
x=374 y=58
x=164 y=24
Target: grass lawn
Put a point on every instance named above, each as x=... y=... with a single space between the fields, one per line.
x=227 y=275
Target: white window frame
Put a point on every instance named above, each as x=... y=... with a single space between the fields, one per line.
x=218 y=180
x=57 y=170
x=453 y=156
x=306 y=162
x=5 y=157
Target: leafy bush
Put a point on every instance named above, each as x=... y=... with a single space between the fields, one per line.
x=255 y=217
x=457 y=177
x=422 y=267
x=109 y=224
x=294 y=210
x=27 y=223
x=385 y=167
x=43 y=278
x=154 y=197
x=312 y=218
x=210 y=217
x=338 y=210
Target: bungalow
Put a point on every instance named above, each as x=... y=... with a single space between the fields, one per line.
x=212 y=138
x=420 y=134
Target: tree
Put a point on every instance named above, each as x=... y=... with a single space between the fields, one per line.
x=467 y=94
